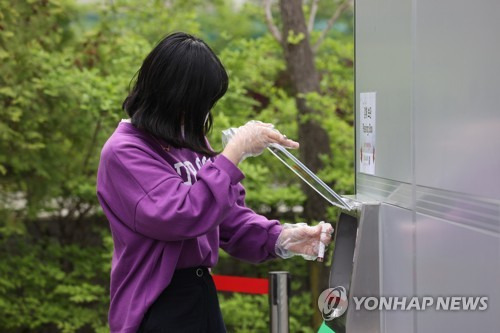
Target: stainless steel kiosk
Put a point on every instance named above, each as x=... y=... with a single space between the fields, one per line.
x=427 y=92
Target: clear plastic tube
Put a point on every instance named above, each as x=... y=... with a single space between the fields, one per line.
x=308 y=176
x=282 y=154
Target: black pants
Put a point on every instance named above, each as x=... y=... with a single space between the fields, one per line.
x=189 y=304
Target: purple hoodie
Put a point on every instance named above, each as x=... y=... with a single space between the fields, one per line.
x=170 y=209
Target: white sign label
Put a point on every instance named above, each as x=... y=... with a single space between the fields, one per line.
x=367 y=107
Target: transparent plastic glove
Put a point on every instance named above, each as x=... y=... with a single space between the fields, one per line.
x=301 y=239
x=251 y=139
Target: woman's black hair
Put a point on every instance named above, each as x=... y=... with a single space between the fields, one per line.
x=177 y=85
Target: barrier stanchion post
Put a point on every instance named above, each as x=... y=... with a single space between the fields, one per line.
x=279 y=289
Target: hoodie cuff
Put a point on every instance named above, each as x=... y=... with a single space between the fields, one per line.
x=272 y=238
x=235 y=174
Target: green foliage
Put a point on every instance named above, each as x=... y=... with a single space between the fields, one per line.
x=65 y=70
x=46 y=284
x=250 y=313
x=293 y=38
x=245 y=313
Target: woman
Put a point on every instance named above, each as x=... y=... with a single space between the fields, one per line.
x=171 y=201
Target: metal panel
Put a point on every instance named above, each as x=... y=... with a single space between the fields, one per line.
x=383 y=65
x=434 y=66
x=396 y=264
x=457 y=106
x=454 y=260
x=355 y=265
x=466 y=209
x=365 y=280
x=385 y=190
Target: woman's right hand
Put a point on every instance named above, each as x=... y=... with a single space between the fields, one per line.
x=252 y=138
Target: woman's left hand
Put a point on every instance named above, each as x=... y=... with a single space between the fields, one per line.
x=301 y=239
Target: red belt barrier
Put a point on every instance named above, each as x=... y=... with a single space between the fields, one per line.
x=240 y=284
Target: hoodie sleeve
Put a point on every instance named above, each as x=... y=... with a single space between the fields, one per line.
x=159 y=204
x=247 y=235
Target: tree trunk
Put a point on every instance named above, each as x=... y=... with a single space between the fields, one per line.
x=313 y=138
